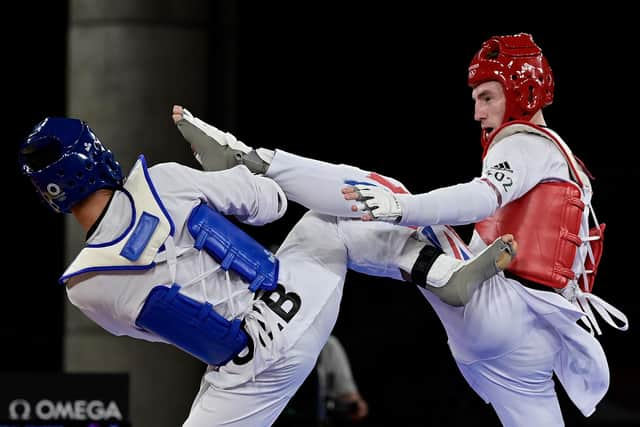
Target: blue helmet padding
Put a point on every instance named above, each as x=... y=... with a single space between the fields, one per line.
x=66 y=162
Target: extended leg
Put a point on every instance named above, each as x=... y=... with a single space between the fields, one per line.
x=312 y=183
x=316 y=185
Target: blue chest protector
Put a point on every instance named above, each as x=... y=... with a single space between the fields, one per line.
x=196 y=327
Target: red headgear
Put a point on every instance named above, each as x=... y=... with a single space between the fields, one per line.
x=517 y=63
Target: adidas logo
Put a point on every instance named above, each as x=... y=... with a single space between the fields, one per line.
x=504 y=166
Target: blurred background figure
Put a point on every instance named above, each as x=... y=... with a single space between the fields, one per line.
x=343 y=403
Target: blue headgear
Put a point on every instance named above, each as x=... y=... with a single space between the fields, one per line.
x=66 y=162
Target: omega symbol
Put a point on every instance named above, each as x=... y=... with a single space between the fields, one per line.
x=19 y=409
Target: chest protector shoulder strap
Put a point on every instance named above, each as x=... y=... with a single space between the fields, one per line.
x=546 y=222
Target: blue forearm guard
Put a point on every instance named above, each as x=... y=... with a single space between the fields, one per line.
x=192 y=326
x=233 y=248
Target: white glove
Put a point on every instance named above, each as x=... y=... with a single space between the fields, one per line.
x=379 y=202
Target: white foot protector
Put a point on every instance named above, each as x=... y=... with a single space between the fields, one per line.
x=454 y=281
x=213 y=148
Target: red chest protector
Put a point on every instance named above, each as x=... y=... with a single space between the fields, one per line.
x=546 y=223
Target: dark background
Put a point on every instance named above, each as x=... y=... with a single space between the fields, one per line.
x=379 y=87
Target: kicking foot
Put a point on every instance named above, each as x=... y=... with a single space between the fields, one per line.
x=214 y=149
x=455 y=281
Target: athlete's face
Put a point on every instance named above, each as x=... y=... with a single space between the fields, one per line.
x=490 y=104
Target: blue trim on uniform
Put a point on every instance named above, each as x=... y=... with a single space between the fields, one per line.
x=126 y=231
x=430 y=235
x=354 y=182
x=63 y=279
x=156 y=196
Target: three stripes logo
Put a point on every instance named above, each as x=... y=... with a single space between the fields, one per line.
x=503 y=167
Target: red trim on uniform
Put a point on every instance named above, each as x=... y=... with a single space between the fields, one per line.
x=494 y=188
x=456 y=252
x=454 y=233
x=584 y=168
x=385 y=182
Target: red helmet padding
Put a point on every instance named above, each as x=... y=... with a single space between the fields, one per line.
x=519 y=65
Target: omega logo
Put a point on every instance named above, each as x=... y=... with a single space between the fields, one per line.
x=45 y=409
